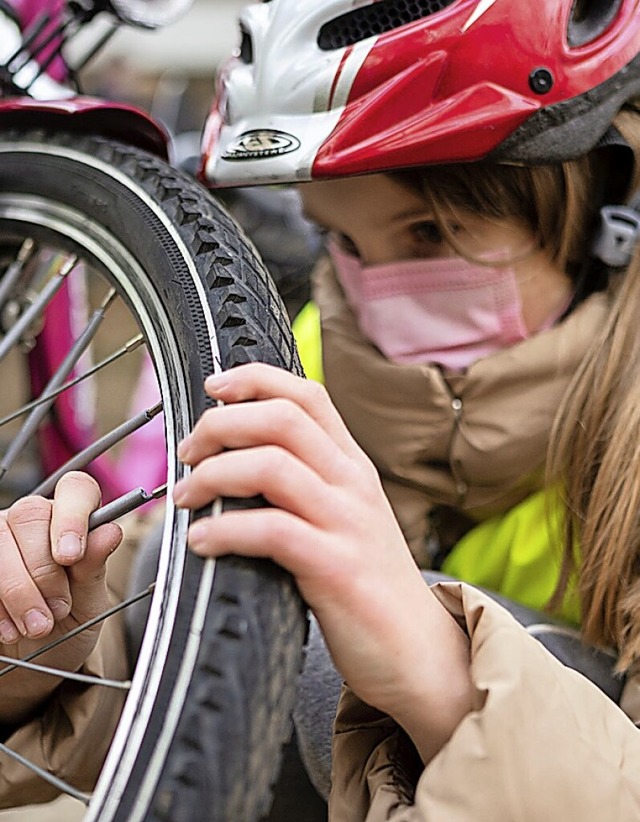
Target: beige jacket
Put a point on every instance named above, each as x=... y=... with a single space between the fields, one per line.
x=541 y=745
x=475 y=442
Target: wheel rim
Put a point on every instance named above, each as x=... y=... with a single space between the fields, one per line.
x=61 y=225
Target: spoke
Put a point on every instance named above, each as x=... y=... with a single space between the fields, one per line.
x=14 y=271
x=124 y=505
x=85 y=625
x=60 y=784
x=34 y=419
x=33 y=47
x=127 y=348
x=97 y=47
x=37 y=307
x=60 y=32
x=100 y=446
x=28 y=38
x=121 y=685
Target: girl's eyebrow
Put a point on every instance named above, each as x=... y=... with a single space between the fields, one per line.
x=412 y=213
x=415 y=212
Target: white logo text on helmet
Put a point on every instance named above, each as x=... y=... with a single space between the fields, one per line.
x=260 y=143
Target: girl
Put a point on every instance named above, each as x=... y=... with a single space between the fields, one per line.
x=460 y=297
x=463 y=295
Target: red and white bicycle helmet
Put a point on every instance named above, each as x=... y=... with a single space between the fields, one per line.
x=326 y=89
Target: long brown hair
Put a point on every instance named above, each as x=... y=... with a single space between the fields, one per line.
x=595 y=454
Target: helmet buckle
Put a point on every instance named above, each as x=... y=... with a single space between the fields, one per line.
x=617 y=235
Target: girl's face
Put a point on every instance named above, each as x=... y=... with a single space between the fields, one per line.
x=380 y=221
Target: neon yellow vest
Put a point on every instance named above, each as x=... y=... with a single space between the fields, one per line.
x=518 y=554
x=306 y=330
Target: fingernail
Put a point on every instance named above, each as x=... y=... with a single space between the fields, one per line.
x=8 y=632
x=183 y=448
x=36 y=623
x=197 y=535
x=69 y=547
x=179 y=492
x=215 y=383
x=59 y=608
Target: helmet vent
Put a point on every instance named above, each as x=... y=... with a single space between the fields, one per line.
x=246 y=47
x=376 y=18
x=589 y=19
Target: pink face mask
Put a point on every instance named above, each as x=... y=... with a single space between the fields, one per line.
x=445 y=310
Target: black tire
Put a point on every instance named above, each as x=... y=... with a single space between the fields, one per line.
x=202 y=732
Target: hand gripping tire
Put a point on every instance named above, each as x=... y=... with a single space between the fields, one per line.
x=208 y=710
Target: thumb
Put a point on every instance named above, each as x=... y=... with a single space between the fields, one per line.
x=87 y=576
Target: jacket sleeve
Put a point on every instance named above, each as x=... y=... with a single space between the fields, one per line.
x=542 y=743
x=71 y=734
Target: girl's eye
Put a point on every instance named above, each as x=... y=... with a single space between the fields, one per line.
x=428 y=232
x=346 y=244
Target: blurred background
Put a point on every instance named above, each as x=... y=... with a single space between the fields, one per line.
x=170 y=71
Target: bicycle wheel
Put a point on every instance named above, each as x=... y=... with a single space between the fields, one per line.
x=209 y=704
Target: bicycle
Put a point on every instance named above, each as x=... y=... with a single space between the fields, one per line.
x=104 y=244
